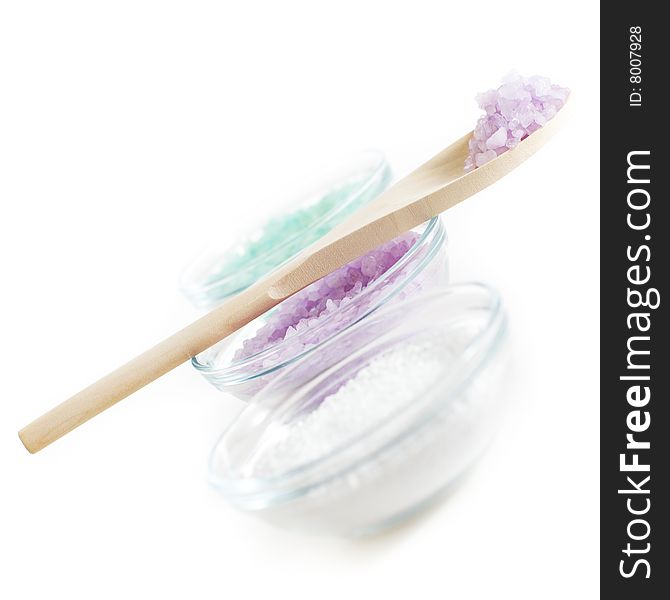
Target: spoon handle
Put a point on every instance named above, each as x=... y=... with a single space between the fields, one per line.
x=145 y=368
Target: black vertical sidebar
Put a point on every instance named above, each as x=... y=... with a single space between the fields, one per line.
x=635 y=338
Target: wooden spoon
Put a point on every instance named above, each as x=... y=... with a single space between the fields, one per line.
x=431 y=189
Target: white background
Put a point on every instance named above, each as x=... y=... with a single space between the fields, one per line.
x=131 y=133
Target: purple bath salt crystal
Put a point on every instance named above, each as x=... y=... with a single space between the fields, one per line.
x=520 y=106
x=312 y=308
x=484 y=157
x=498 y=139
x=369 y=265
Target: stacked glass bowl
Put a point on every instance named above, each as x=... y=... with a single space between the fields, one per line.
x=370 y=391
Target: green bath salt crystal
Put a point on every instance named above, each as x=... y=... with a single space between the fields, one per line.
x=283 y=236
x=222 y=273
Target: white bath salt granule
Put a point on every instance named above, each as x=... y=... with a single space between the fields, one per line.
x=383 y=386
x=520 y=106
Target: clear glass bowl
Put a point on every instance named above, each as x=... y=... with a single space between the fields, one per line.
x=222 y=270
x=423 y=267
x=401 y=461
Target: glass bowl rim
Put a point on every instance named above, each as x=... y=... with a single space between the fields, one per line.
x=433 y=233
x=258 y=493
x=380 y=169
